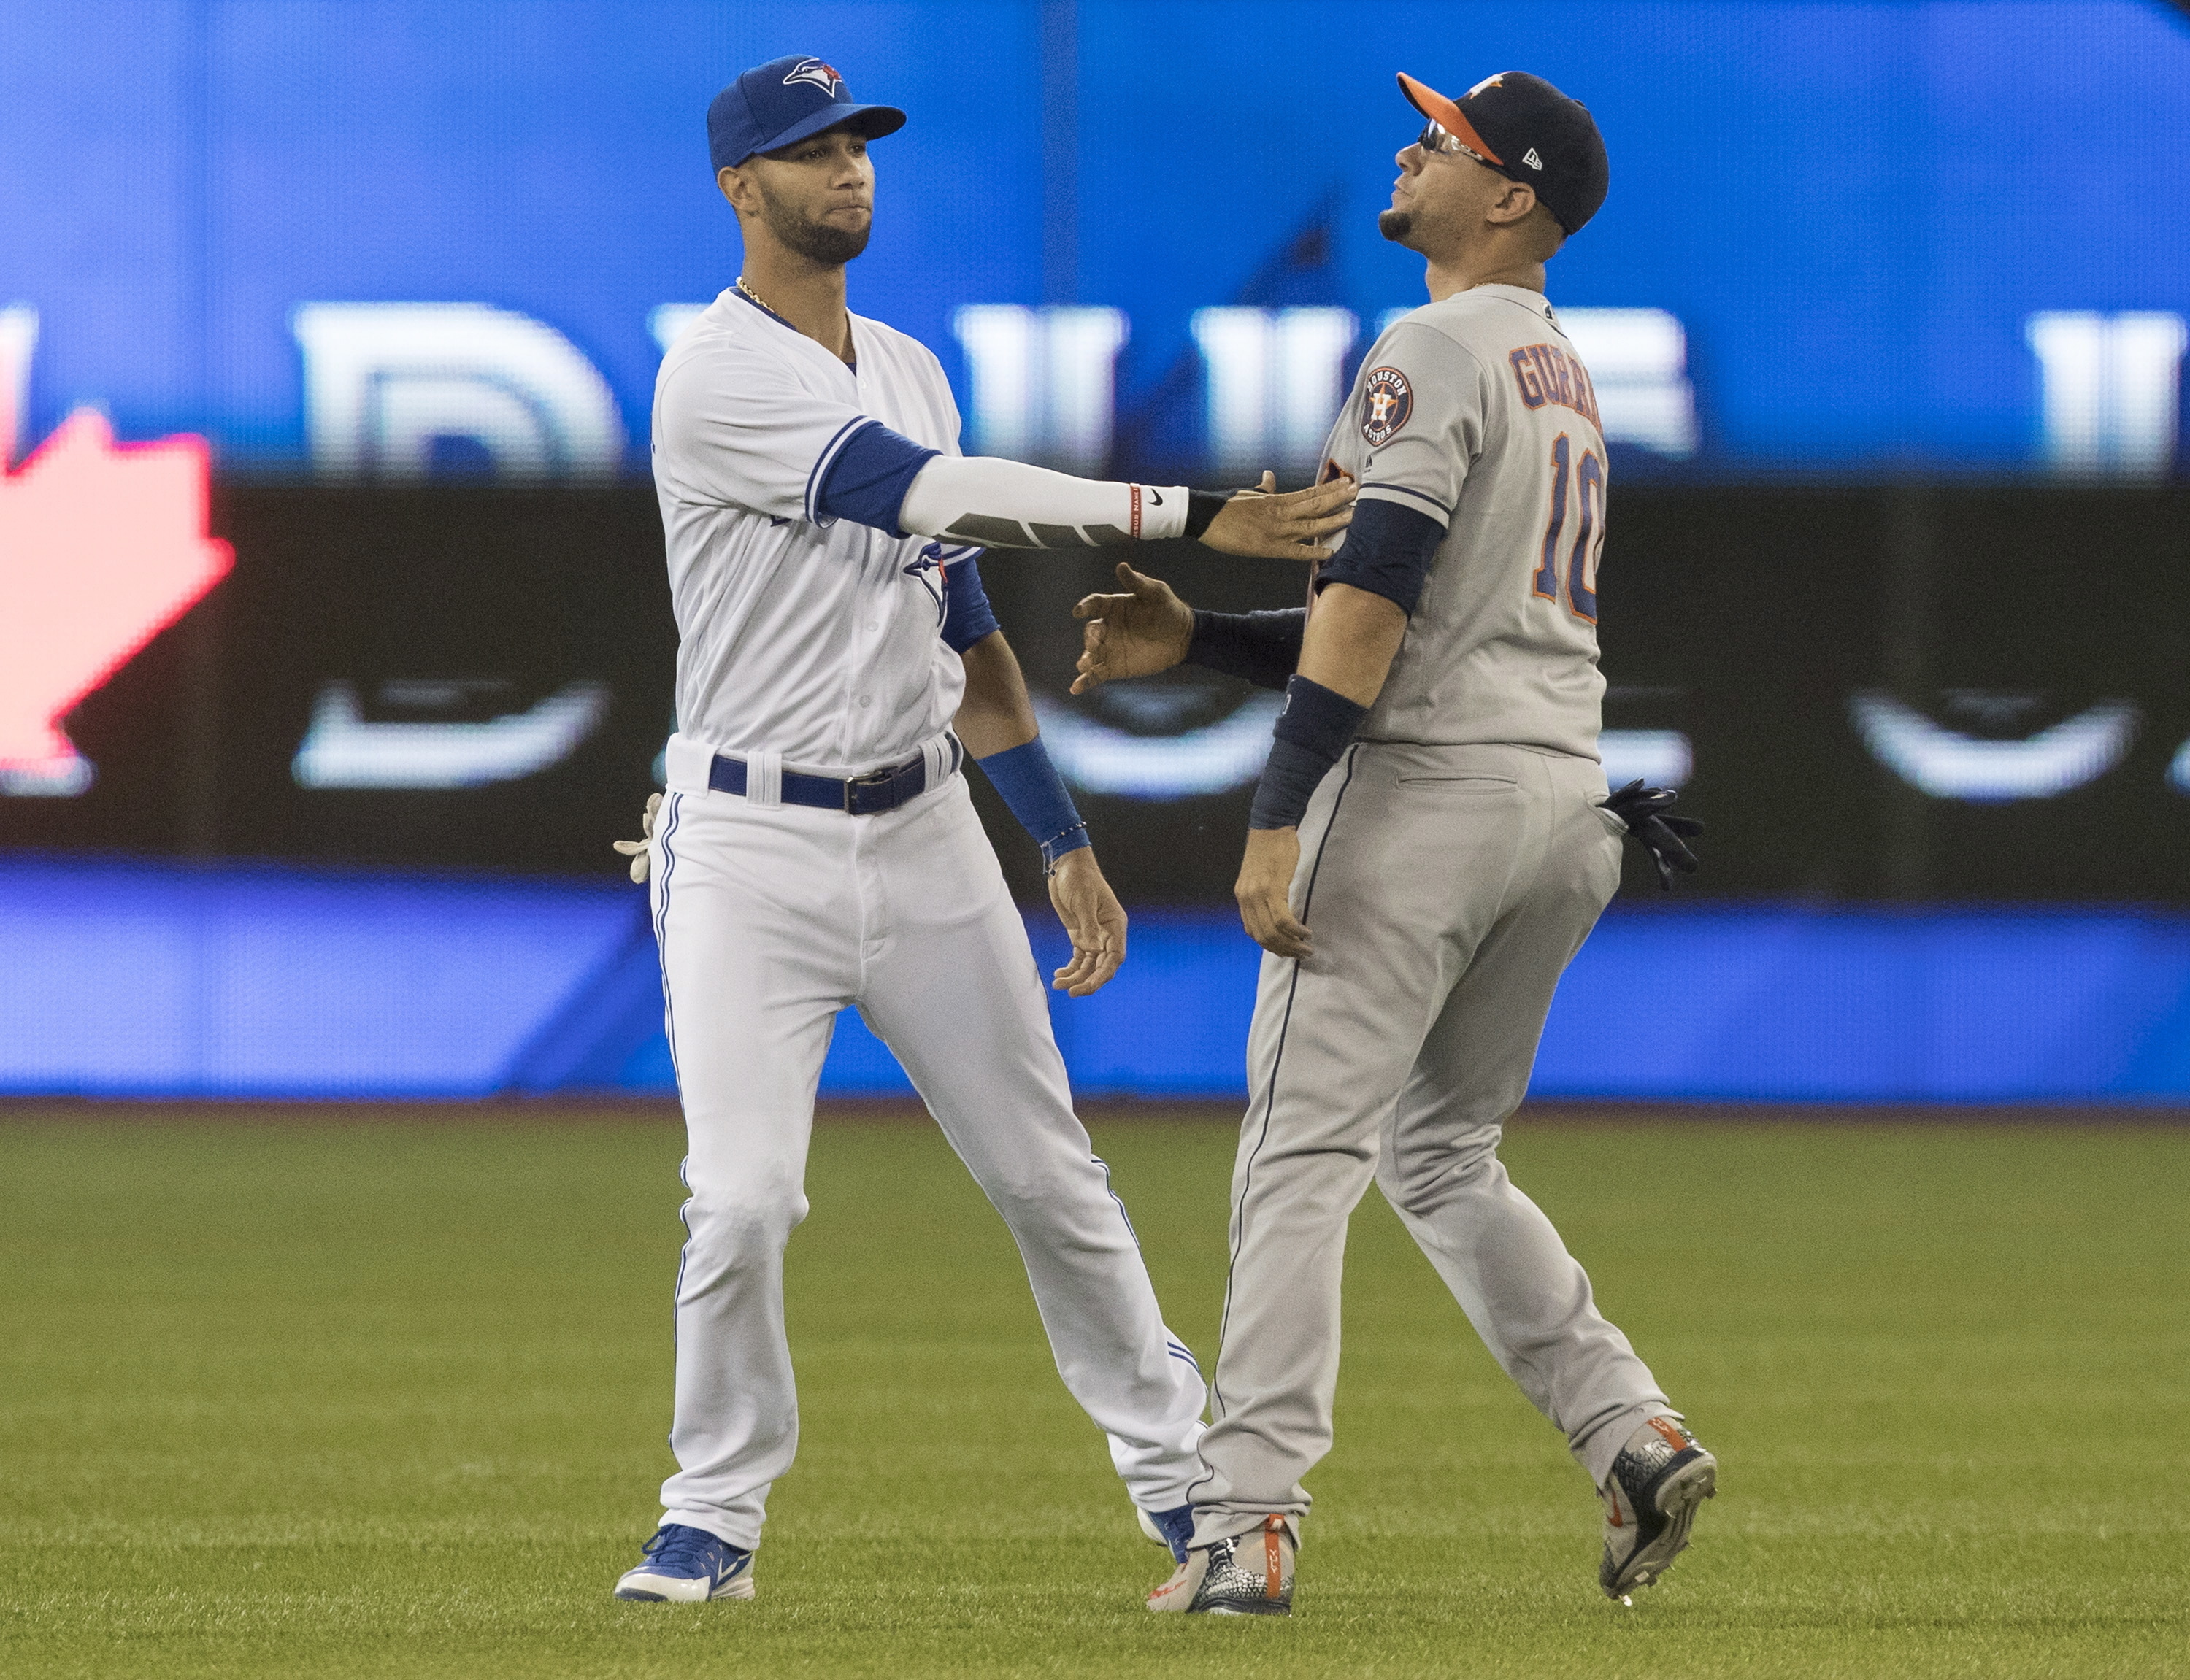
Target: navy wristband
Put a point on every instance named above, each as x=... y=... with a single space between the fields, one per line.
x=1029 y=785
x=1312 y=732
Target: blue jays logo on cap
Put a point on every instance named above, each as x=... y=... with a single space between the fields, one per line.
x=822 y=76
x=785 y=101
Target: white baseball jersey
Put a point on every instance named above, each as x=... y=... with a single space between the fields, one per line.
x=811 y=638
x=1477 y=412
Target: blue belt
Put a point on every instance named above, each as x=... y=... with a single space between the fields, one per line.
x=867 y=796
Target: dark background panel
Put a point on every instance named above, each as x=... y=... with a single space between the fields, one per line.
x=1748 y=617
x=1745 y=617
x=512 y=594
x=520 y=594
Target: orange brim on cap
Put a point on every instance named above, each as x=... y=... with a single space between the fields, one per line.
x=1446 y=115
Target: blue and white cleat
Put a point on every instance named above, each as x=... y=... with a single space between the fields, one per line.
x=686 y=1566
x=1173 y=1528
x=1657 y=1482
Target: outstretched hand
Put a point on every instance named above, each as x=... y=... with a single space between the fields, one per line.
x=1093 y=919
x=1289 y=525
x=1137 y=634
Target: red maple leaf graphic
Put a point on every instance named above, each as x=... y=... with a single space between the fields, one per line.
x=101 y=547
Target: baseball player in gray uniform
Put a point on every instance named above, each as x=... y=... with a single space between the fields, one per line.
x=816 y=848
x=1430 y=842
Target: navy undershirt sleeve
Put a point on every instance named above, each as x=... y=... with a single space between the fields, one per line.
x=1264 y=647
x=968 y=617
x=1388 y=551
x=867 y=481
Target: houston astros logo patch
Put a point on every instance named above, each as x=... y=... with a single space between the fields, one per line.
x=1387 y=401
x=812 y=70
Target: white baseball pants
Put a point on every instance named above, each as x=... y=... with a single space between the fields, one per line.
x=772 y=918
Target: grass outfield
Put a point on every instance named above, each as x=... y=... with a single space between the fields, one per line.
x=384 y=1395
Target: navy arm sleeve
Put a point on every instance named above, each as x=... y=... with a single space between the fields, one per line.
x=867 y=481
x=1387 y=551
x=1264 y=647
x=968 y=617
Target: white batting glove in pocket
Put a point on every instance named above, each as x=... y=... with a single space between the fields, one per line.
x=637 y=850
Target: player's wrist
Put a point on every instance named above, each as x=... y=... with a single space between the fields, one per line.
x=1314 y=728
x=1031 y=788
x=1202 y=507
x=1072 y=850
x=1162 y=512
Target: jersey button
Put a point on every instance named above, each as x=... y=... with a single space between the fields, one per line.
x=866 y=699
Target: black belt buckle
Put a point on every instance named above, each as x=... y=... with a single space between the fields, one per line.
x=873 y=778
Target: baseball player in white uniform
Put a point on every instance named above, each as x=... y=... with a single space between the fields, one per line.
x=816 y=847
x=1431 y=843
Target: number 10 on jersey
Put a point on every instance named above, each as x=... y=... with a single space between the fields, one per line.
x=1580 y=567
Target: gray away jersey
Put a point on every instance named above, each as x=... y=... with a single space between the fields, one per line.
x=1477 y=411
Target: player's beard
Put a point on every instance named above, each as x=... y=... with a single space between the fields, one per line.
x=1395 y=224
x=816 y=241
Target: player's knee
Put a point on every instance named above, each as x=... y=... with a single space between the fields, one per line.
x=1022 y=1197
x=744 y=1212
x=1420 y=1175
x=1073 y=1206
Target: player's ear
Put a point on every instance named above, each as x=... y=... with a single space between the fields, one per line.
x=1512 y=205
x=735 y=185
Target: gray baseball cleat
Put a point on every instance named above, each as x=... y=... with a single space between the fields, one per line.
x=1250 y=1574
x=1650 y=1501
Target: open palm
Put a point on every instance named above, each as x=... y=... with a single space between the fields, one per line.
x=1137 y=634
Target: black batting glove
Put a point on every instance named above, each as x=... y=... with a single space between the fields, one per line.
x=1663 y=837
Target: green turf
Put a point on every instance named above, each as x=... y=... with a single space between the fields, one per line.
x=388 y=1398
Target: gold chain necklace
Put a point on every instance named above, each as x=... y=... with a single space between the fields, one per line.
x=781 y=316
x=758 y=299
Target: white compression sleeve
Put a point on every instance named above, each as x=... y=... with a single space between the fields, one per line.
x=1005 y=504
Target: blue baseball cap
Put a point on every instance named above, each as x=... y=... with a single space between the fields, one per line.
x=780 y=103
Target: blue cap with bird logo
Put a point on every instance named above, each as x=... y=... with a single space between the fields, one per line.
x=783 y=102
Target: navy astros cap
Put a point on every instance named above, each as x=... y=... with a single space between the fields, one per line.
x=1528 y=131
x=780 y=103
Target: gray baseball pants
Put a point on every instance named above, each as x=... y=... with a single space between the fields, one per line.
x=1446 y=888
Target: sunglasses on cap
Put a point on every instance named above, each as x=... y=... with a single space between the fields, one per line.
x=1435 y=138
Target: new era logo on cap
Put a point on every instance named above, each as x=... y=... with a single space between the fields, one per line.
x=1530 y=158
